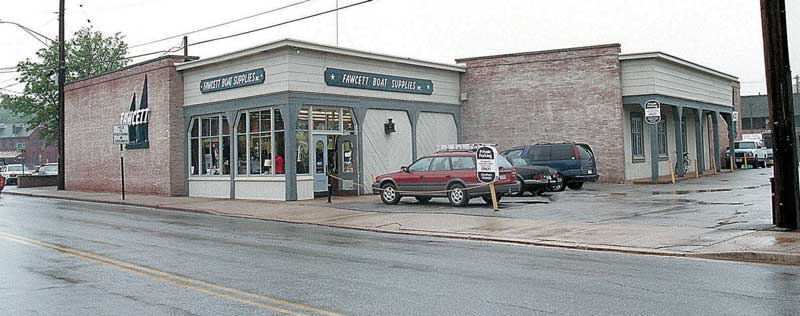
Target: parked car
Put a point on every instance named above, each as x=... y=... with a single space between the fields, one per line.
x=535 y=179
x=48 y=169
x=756 y=153
x=10 y=172
x=574 y=162
x=450 y=174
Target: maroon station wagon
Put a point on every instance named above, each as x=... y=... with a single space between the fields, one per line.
x=452 y=174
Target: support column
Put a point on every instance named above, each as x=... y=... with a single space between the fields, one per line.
x=289 y=113
x=715 y=126
x=654 y=152
x=678 y=114
x=698 y=139
x=360 y=113
x=413 y=116
x=731 y=133
x=233 y=142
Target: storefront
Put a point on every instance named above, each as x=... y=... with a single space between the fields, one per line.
x=284 y=120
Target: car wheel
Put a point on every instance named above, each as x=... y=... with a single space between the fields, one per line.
x=457 y=195
x=423 y=199
x=575 y=185
x=537 y=191
x=488 y=198
x=561 y=186
x=520 y=188
x=389 y=194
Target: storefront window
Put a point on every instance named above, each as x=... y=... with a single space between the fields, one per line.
x=637 y=135
x=209 y=144
x=302 y=139
x=260 y=148
x=347 y=120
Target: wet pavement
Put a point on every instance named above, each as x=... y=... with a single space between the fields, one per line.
x=737 y=201
x=76 y=258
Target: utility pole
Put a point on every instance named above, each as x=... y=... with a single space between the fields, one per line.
x=61 y=79
x=786 y=194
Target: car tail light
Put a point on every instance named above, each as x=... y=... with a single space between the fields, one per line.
x=575 y=152
x=538 y=177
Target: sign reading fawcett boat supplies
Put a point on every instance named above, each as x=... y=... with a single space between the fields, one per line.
x=232 y=81
x=487 y=164
x=652 y=112
x=371 y=81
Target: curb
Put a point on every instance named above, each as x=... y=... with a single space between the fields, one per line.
x=740 y=256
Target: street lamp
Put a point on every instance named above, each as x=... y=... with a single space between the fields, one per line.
x=38 y=36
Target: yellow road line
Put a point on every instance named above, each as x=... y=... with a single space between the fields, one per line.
x=171 y=278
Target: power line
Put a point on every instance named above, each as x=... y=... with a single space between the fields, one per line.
x=221 y=24
x=281 y=23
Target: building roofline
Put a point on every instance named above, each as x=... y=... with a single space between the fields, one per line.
x=550 y=51
x=316 y=47
x=679 y=61
x=129 y=67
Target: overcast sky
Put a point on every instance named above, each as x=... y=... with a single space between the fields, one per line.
x=721 y=34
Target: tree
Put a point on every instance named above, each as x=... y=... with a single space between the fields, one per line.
x=88 y=53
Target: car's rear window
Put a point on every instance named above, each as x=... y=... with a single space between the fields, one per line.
x=503 y=163
x=14 y=168
x=462 y=163
x=562 y=152
x=440 y=164
x=584 y=154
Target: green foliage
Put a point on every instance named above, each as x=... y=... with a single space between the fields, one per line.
x=88 y=53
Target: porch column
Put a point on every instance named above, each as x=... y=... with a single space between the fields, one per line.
x=698 y=136
x=715 y=126
x=731 y=132
x=654 y=152
x=678 y=113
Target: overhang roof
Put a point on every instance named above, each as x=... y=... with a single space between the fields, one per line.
x=9 y=154
x=679 y=61
x=316 y=47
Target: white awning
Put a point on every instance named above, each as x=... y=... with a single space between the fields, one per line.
x=9 y=154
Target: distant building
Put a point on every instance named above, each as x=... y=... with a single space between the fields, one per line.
x=755 y=115
x=21 y=144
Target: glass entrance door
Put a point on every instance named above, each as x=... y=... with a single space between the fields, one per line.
x=320 y=169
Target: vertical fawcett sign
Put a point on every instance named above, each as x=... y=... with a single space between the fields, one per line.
x=380 y=82
x=232 y=81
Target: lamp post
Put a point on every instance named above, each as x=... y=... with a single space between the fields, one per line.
x=61 y=75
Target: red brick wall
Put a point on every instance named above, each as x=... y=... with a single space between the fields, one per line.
x=38 y=152
x=551 y=96
x=94 y=105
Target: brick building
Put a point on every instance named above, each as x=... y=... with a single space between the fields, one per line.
x=15 y=134
x=92 y=106
x=595 y=95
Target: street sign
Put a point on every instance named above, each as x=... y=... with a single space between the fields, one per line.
x=22 y=146
x=652 y=112
x=121 y=135
x=487 y=164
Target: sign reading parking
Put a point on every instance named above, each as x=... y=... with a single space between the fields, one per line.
x=652 y=112
x=121 y=134
x=487 y=164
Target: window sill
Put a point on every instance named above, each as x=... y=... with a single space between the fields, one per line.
x=144 y=145
x=280 y=178
x=639 y=160
x=663 y=158
x=210 y=178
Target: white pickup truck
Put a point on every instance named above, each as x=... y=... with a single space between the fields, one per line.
x=753 y=152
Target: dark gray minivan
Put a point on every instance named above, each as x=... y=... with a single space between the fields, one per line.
x=575 y=162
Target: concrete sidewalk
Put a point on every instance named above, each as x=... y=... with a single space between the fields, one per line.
x=766 y=246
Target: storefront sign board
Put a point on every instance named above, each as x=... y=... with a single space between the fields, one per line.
x=371 y=81
x=232 y=81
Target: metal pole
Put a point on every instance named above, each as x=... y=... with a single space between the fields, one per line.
x=781 y=113
x=122 y=170
x=337 y=22
x=61 y=79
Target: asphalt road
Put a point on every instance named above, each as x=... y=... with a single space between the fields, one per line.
x=71 y=258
